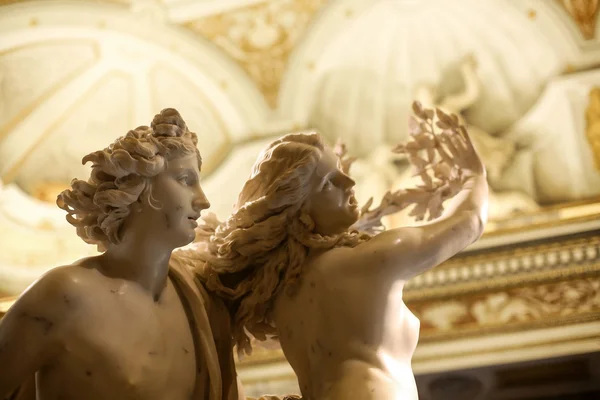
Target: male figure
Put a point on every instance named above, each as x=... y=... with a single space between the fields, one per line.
x=130 y=323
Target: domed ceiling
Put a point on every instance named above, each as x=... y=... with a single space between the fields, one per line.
x=74 y=75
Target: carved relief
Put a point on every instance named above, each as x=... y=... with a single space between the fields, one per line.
x=506 y=268
x=260 y=37
x=592 y=129
x=550 y=302
x=584 y=14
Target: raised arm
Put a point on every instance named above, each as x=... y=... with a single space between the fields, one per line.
x=403 y=253
x=30 y=331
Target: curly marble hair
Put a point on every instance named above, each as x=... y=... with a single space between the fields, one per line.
x=122 y=175
x=262 y=247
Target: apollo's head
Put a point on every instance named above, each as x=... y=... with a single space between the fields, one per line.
x=151 y=170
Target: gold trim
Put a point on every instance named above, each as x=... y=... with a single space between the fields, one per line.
x=592 y=128
x=8 y=2
x=5 y=304
x=548 y=304
x=53 y=89
x=485 y=286
x=519 y=346
x=124 y=3
x=571 y=69
x=533 y=227
x=551 y=216
x=547 y=271
x=264 y=64
x=519 y=250
x=486 y=331
x=584 y=14
x=265 y=357
x=13 y=171
x=275 y=378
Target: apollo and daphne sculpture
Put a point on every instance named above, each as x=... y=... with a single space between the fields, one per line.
x=143 y=320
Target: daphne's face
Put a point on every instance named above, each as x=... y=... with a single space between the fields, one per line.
x=332 y=204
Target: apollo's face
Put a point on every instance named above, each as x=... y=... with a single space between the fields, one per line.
x=180 y=197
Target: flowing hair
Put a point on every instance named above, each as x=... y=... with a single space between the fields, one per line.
x=122 y=174
x=262 y=247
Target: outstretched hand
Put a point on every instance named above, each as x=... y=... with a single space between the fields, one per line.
x=443 y=156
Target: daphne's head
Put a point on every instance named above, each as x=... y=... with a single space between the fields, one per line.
x=300 y=177
x=296 y=199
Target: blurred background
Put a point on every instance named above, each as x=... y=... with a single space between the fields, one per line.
x=516 y=316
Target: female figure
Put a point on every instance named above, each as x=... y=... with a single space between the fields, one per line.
x=291 y=266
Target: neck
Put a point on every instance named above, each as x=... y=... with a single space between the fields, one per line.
x=140 y=260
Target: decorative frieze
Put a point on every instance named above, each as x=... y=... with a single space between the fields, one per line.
x=515 y=266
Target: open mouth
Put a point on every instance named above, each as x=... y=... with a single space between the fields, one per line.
x=352 y=202
x=194 y=221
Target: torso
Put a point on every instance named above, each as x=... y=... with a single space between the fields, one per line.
x=121 y=344
x=348 y=335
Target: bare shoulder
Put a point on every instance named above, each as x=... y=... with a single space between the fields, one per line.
x=64 y=280
x=40 y=322
x=375 y=248
x=51 y=295
x=331 y=261
x=402 y=253
x=391 y=248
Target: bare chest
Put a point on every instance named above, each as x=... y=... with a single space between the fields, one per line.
x=400 y=331
x=375 y=311
x=349 y=309
x=137 y=348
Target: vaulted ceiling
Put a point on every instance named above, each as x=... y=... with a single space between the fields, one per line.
x=74 y=75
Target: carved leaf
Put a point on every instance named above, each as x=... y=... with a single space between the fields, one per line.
x=445 y=118
x=418 y=109
x=341 y=151
x=436 y=160
x=414 y=127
